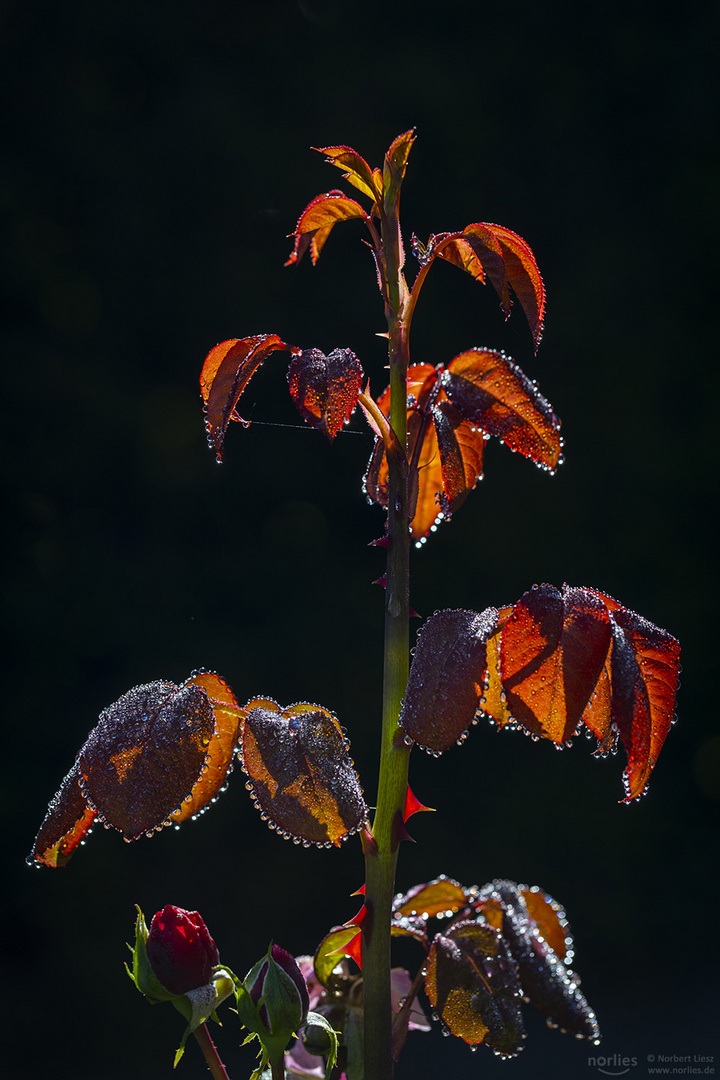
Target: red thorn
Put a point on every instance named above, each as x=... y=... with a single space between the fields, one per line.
x=381 y=581
x=399 y=832
x=368 y=841
x=381 y=542
x=359 y=918
x=413 y=614
x=354 y=949
x=360 y=891
x=414 y=806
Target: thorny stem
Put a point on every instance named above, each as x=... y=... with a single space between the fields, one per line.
x=209 y=1050
x=381 y=851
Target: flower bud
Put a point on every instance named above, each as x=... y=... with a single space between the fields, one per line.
x=180 y=950
x=273 y=1000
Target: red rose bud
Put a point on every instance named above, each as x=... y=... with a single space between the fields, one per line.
x=273 y=1001
x=180 y=950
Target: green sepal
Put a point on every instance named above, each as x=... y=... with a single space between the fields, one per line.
x=199 y=1005
x=317 y=1020
x=142 y=974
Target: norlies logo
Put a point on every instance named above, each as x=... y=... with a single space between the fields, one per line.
x=615 y=1065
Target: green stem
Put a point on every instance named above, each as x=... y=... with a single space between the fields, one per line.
x=381 y=851
x=209 y=1050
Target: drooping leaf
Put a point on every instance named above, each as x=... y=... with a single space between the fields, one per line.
x=221 y=748
x=301 y=775
x=558 y=659
x=554 y=646
x=145 y=755
x=546 y=981
x=318 y=220
x=472 y=982
x=490 y=390
x=446 y=677
x=325 y=388
x=226 y=372
x=443 y=896
x=644 y=673
x=68 y=821
x=357 y=171
x=483 y=248
x=461 y=455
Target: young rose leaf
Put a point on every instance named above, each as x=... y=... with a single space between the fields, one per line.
x=546 y=981
x=226 y=372
x=68 y=821
x=221 y=748
x=443 y=896
x=317 y=221
x=493 y=702
x=446 y=677
x=554 y=646
x=472 y=982
x=325 y=388
x=493 y=393
x=636 y=692
x=550 y=919
x=301 y=775
x=483 y=248
x=357 y=171
x=145 y=755
x=394 y=167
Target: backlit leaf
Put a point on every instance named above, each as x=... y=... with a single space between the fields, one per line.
x=490 y=390
x=301 y=775
x=483 y=248
x=394 y=166
x=472 y=983
x=549 y=918
x=221 y=748
x=443 y=896
x=331 y=951
x=68 y=821
x=357 y=171
x=145 y=755
x=460 y=446
x=546 y=981
x=325 y=388
x=318 y=220
x=226 y=372
x=446 y=677
x=554 y=646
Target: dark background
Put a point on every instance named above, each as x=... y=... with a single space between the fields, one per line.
x=155 y=157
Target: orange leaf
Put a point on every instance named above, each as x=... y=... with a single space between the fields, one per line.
x=318 y=220
x=68 y=821
x=554 y=647
x=358 y=172
x=490 y=390
x=461 y=455
x=443 y=896
x=226 y=372
x=549 y=917
x=221 y=749
x=483 y=248
x=301 y=775
x=394 y=166
x=325 y=388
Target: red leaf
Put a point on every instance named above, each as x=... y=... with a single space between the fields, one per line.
x=358 y=172
x=553 y=649
x=68 y=821
x=325 y=388
x=508 y=261
x=394 y=166
x=317 y=221
x=492 y=392
x=226 y=372
x=301 y=775
x=145 y=755
x=460 y=445
x=446 y=677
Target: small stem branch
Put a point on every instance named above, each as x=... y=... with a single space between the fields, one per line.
x=210 y=1053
